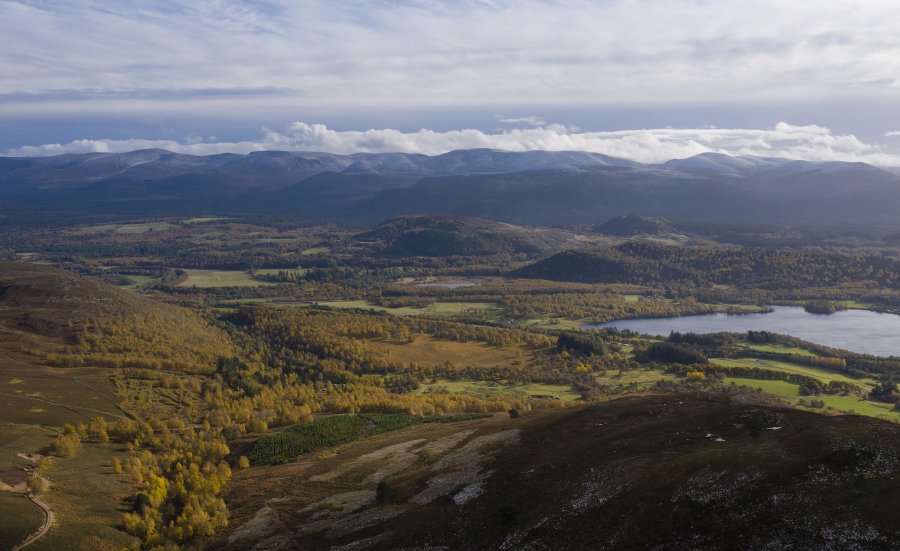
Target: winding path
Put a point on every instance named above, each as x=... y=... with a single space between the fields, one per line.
x=44 y=529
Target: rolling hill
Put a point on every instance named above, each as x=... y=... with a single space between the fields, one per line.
x=69 y=320
x=442 y=235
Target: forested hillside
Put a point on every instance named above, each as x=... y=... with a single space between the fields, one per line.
x=72 y=320
x=442 y=235
x=651 y=263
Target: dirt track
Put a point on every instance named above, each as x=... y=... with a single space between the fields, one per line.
x=44 y=529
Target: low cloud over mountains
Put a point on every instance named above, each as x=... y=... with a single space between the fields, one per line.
x=809 y=142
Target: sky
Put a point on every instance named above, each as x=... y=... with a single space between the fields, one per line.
x=648 y=80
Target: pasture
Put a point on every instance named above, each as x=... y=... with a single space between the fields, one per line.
x=213 y=279
x=137 y=282
x=791 y=392
x=486 y=389
x=203 y=219
x=85 y=499
x=430 y=350
x=53 y=396
x=316 y=250
x=640 y=378
x=779 y=349
x=437 y=309
x=126 y=229
x=296 y=272
x=823 y=375
x=551 y=323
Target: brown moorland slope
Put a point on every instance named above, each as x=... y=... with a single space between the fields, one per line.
x=70 y=320
x=657 y=472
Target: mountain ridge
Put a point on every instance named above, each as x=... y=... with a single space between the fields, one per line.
x=543 y=187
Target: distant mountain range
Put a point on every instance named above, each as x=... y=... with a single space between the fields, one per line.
x=535 y=187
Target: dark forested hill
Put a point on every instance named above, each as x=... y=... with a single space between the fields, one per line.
x=644 y=262
x=629 y=225
x=442 y=235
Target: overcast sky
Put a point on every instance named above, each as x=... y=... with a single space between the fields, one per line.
x=649 y=80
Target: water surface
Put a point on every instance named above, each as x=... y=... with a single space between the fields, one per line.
x=856 y=330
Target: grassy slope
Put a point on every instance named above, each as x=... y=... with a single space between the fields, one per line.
x=211 y=279
x=486 y=389
x=433 y=351
x=86 y=499
x=20 y=518
x=844 y=403
x=823 y=375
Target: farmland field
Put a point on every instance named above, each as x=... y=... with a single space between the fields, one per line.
x=137 y=281
x=202 y=219
x=210 y=279
x=437 y=309
x=486 y=389
x=553 y=323
x=316 y=250
x=276 y=271
x=639 y=377
x=821 y=374
x=791 y=392
x=434 y=351
x=779 y=349
x=128 y=229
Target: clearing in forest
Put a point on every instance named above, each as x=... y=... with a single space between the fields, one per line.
x=433 y=351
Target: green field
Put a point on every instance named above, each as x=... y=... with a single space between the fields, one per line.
x=211 y=279
x=639 y=377
x=137 y=282
x=202 y=219
x=776 y=388
x=239 y=301
x=298 y=272
x=819 y=373
x=128 y=229
x=431 y=350
x=316 y=250
x=486 y=389
x=437 y=309
x=779 y=349
x=791 y=392
x=550 y=323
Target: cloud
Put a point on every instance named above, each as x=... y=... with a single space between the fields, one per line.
x=530 y=120
x=427 y=52
x=809 y=142
x=892 y=134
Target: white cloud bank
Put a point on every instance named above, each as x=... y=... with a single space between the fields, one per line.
x=811 y=142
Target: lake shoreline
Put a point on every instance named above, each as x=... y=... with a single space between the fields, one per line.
x=855 y=330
